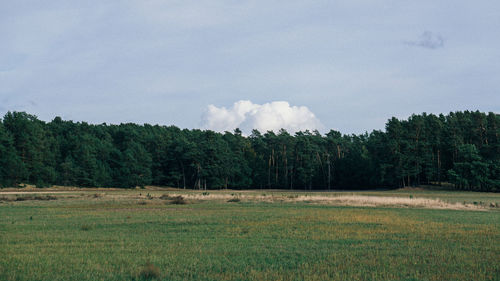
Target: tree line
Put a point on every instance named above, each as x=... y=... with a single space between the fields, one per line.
x=461 y=148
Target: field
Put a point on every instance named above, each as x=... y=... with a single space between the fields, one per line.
x=105 y=234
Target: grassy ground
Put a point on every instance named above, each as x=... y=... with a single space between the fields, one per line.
x=128 y=235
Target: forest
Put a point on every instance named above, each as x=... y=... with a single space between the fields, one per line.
x=461 y=149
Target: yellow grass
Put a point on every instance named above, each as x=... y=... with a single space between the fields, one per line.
x=342 y=200
x=396 y=198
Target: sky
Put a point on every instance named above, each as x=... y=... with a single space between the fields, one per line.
x=344 y=65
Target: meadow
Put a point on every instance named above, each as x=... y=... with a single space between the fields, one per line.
x=158 y=234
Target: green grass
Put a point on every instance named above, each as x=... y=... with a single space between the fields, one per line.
x=115 y=238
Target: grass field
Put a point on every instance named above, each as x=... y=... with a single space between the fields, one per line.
x=260 y=235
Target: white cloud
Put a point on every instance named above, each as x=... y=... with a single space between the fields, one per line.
x=271 y=116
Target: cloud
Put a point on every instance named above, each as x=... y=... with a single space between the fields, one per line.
x=271 y=116
x=427 y=40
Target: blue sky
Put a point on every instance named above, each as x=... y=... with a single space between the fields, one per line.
x=352 y=64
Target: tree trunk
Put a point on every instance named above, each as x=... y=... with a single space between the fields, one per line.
x=269 y=173
x=183 y=175
x=275 y=163
x=285 y=165
x=439 y=166
x=328 y=162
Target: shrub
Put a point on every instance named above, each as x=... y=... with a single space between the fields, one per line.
x=30 y=197
x=205 y=193
x=165 y=197
x=142 y=203
x=7 y=199
x=45 y=198
x=234 y=200
x=85 y=227
x=179 y=200
x=149 y=272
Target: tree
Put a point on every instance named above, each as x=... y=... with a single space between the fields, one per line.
x=469 y=172
x=11 y=167
x=34 y=147
x=461 y=147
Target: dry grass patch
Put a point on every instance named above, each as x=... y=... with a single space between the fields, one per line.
x=374 y=201
x=341 y=200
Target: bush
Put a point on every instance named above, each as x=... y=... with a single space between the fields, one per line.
x=149 y=272
x=85 y=227
x=45 y=198
x=165 y=197
x=178 y=200
x=234 y=200
x=32 y=197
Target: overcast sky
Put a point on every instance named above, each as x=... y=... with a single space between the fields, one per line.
x=345 y=65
